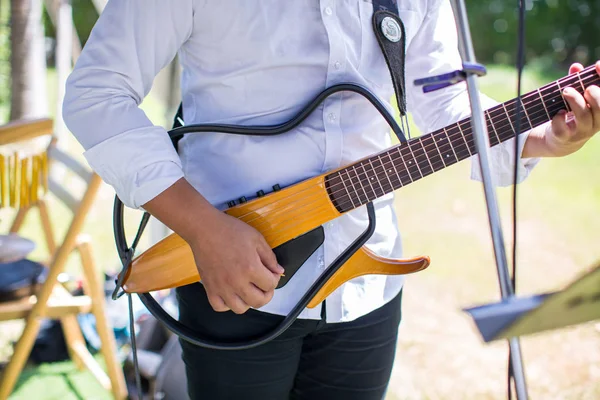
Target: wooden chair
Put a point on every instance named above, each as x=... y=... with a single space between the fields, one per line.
x=53 y=300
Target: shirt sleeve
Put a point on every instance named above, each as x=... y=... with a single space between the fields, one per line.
x=130 y=43
x=433 y=51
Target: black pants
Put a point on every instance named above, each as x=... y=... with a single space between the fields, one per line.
x=311 y=360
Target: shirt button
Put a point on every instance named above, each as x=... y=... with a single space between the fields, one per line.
x=328 y=10
x=337 y=65
x=331 y=117
x=321 y=262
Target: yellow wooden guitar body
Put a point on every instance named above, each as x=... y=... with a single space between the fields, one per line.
x=280 y=216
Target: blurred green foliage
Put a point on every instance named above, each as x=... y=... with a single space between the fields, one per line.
x=558 y=32
x=84 y=18
x=4 y=60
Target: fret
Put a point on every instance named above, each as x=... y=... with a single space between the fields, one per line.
x=422 y=140
x=550 y=99
x=562 y=97
x=367 y=177
x=346 y=188
x=365 y=198
x=376 y=177
x=445 y=146
x=524 y=111
x=491 y=128
x=498 y=120
x=553 y=100
x=413 y=161
x=512 y=128
x=581 y=83
x=420 y=156
x=538 y=114
x=389 y=153
x=459 y=146
x=408 y=166
x=433 y=152
x=386 y=172
x=511 y=108
x=464 y=138
x=543 y=104
x=357 y=193
x=451 y=147
x=405 y=165
x=433 y=139
x=555 y=104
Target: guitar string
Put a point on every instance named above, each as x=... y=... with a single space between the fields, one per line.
x=305 y=205
x=402 y=184
x=319 y=210
x=454 y=133
x=421 y=162
x=306 y=210
x=312 y=212
x=454 y=136
x=458 y=134
x=386 y=165
x=423 y=158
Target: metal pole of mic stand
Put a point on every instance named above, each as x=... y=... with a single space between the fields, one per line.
x=480 y=135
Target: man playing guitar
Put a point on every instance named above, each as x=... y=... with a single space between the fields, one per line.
x=256 y=63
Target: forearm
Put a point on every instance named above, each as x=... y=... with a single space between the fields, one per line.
x=182 y=209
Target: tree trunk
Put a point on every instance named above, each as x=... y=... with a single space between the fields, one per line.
x=27 y=61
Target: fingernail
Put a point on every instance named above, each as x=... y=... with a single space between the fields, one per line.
x=280 y=269
x=567 y=90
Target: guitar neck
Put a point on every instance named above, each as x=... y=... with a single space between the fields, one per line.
x=385 y=172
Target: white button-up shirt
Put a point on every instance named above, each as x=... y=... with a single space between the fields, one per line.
x=259 y=63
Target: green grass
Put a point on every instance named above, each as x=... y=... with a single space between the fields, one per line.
x=60 y=381
x=444 y=217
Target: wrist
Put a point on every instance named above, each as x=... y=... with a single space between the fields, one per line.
x=539 y=143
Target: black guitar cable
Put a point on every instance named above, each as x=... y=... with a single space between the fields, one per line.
x=520 y=64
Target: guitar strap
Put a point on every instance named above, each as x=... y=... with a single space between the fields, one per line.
x=390 y=34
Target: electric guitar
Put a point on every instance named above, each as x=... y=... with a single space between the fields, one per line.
x=289 y=218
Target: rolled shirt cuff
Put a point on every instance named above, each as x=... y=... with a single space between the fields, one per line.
x=501 y=158
x=143 y=163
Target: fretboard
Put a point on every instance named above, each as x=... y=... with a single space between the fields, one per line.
x=398 y=166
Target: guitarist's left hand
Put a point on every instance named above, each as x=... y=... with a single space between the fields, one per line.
x=568 y=131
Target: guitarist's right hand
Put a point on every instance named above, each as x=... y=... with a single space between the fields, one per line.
x=236 y=265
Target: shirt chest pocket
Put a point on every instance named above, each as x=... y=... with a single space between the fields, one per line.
x=372 y=62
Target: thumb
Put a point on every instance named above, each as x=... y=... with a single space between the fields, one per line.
x=269 y=260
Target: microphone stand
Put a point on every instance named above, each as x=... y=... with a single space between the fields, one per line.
x=482 y=144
